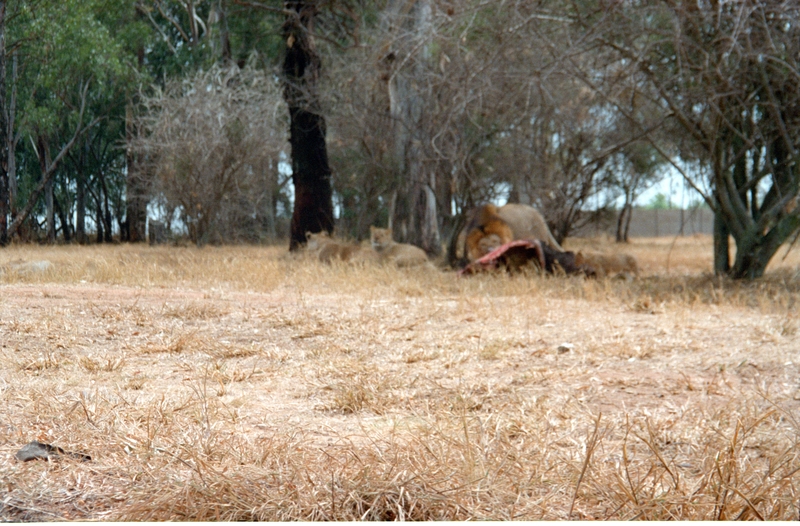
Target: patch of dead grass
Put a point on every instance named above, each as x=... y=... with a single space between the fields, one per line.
x=238 y=383
x=105 y=364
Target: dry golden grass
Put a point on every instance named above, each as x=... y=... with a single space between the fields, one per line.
x=239 y=383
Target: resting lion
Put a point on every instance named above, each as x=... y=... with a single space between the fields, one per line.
x=491 y=227
x=401 y=254
x=609 y=264
x=329 y=249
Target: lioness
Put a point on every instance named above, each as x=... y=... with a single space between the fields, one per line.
x=507 y=223
x=401 y=254
x=605 y=264
x=329 y=249
x=315 y=241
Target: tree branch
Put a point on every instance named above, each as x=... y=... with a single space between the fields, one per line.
x=164 y=36
x=173 y=22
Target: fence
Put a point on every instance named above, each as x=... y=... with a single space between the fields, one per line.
x=654 y=223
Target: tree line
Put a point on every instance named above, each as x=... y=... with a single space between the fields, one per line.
x=238 y=120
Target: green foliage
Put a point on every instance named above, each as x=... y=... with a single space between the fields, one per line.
x=255 y=33
x=63 y=45
x=113 y=49
x=659 y=202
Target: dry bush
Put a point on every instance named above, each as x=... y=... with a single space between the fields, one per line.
x=209 y=149
x=239 y=383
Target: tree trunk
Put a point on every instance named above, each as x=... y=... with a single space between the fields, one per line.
x=628 y=223
x=106 y=211
x=62 y=218
x=80 y=198
x=311 y=174
x=5 y=201
x=754 y=252
x=722 y=257
x=414 y=217
x=44 y=163
x=99 y=222
x=224 y=33
x=135 y=191
x=623 y=221
x=136 y=195
x=758 y=234
x=12 y=142
x=80 y=209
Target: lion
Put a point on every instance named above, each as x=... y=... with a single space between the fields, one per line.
x=502 y=225
x=316 y=240
x=619 y=264
x=329 y=249
x=486 y=231
x=490 y=242
x=523 y=253
x=401 y=254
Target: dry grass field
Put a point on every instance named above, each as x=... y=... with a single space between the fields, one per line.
x=238 y=383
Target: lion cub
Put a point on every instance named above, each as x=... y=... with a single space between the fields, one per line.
x=401 y=254
x=619 y=264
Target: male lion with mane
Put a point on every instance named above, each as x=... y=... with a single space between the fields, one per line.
x=492 y=227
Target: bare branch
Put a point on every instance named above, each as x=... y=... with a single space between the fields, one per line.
x=146 y=12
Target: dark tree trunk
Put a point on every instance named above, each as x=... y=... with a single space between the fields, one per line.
x=44 y=165
x=311 y=174
x=99 y=222
x=64 y=211
x=80 y=211
x=754 y=251
x=80 y=199
x=628 y=224
x=11 y=141
x=623 y=221
x=135 y=192
x=722 y=256
x=62 y=218
x=5 y=201
x=224 y=33
x=136 y=196
x=106 y=215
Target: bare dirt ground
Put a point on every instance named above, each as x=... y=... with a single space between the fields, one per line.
x=237 y=383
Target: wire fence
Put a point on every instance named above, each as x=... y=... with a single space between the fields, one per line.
x=655 y=223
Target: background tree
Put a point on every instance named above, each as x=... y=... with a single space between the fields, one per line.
x=727 y=73
x=413 y=213
x=311 y=173
x=637 y=167
x=66 y=85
